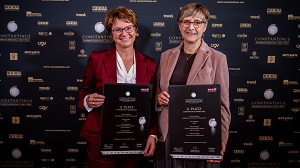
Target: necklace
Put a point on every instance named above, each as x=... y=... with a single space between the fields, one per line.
x=188 y=56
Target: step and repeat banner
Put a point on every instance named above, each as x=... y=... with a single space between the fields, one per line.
x=45 y=44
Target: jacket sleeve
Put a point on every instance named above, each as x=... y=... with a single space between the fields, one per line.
x=222 y=78
x=88 y=85
x=154 y=117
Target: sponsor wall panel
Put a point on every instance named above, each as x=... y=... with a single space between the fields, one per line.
x=44 y=47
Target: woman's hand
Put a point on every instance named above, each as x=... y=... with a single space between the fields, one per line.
x=95 y=100
x=163 y=98
x=222 y=153
x=150 y=146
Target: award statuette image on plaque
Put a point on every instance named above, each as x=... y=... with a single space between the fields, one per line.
x=125 y=118
x=195 y=121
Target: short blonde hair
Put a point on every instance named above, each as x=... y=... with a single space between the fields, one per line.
x=193 y=9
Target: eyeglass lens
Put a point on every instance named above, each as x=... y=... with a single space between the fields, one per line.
x=196 y=24
x=128 y=29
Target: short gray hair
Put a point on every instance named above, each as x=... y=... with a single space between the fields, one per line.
x=193 y=9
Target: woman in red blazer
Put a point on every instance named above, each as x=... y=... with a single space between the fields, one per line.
x=119 y=64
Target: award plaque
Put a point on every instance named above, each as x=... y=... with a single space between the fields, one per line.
x=125 y=118
x=195 y=122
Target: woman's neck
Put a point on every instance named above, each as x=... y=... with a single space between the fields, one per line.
x=191 y=48
x=126 y=53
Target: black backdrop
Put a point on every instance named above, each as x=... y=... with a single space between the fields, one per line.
x=44 y=46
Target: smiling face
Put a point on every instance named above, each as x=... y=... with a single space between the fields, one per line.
x=125 y=39
x=121 y=23
x=192 y=28
x=192 y=21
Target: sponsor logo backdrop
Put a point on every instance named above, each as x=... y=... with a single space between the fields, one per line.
x=44 y=49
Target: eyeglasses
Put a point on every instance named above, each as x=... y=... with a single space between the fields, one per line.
x=186 y=23
x=128 y=29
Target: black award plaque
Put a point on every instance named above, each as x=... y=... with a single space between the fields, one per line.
x=195 y=121
x=125 y=118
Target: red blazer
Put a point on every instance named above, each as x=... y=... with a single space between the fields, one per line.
x=101 y=67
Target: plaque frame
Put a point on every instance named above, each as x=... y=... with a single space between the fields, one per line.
x=125 y=118
x=195 y=114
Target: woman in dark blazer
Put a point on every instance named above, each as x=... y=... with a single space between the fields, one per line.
x=193 y=62
x=119 y=64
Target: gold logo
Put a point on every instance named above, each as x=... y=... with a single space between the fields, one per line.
x=15 y=120
x=267 y=122
x=14 y=73
x=71 y=23
x=158 y=24
x=11 y=7
x=274 y=11
x=265 y=138
x=72 y=88
x=271 y=59
x=13 y=56
x=42 y=43
x=238 y=151
x=43 y=23
x=15 y=136
x=217 y=25
x=245 y=25
x=99 y=8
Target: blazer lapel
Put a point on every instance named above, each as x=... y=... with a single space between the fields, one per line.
x=140 y=66
x=167 y=70
x=110 y=64
x=199 y=61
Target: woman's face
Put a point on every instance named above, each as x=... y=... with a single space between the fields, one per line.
x=192 y=28
x=121 y=33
